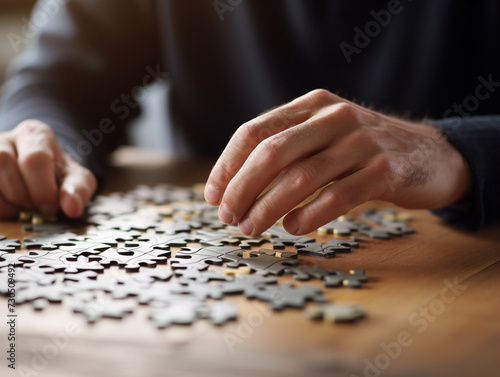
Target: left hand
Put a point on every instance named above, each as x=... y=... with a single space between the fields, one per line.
x=351 y=153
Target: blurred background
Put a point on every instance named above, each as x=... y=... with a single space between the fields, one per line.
x=152 y=130
x=12 y=13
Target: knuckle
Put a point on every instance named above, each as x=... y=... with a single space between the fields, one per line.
x=248 y=131
x=36 y=159
x=301 y=177
x=347 y=111
x=321 y=95
x=31 y=126
x=268 y=151
x=334 y=199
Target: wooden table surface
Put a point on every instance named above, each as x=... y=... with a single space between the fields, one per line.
x=433 y=303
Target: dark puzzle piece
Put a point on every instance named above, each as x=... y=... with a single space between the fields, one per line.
x=342 y=226
x=46 y=228
x=286 y=295
x=379 y=233
x=185 y=275
x=389 y=221
x=247 y=284
x=280 y=238
x=326 y=250
x=351 y=279
x=305 y=273
x=264 y=260
x=9 y=246
x=333 y=312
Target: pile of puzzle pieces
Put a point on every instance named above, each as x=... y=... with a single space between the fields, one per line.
x=156 y=246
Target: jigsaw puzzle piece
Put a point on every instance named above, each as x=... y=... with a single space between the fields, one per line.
x=280 y=238
x=201 y=258
x=46 y=261
x=149 y=259
x=49 y=241
x=341 y=226
x=286 y=295
x=247 y=284
x=9 y=245
x=333 y=312
x=221 y=312
x=94 y=311
x=179 y=312
x=150 y=275
x=263 y=260
x=351 y=279
x=185 y=275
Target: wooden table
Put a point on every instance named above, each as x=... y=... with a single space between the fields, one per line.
x=433 y=304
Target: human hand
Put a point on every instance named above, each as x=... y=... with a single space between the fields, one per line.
x=35 y=174
x=353 y=154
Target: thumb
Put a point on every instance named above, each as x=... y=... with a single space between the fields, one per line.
x=77 y=187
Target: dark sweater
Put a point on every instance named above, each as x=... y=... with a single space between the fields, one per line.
x=229 y=60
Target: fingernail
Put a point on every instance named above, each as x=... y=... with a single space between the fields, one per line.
x=291 y=225
x=212 y=195
x=246 y=226
x=48 y=209
x=225 y=214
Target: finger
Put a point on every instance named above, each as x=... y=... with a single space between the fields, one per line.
x=12 y=186
x=7 y=210
x=246 y=138
x=335 y=200
x=297 y=184
x=77 y=188
x=38 y=154
x=280 y=151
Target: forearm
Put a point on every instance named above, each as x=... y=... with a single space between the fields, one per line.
x=478 y=139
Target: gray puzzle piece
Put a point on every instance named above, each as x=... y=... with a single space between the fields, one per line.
x=351 y=279
x=286 y=295
x=201 y=258
x=280 y=238
x=333 y=312
x=260 y=261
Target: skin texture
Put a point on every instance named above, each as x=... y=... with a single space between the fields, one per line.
x=353 y=154
x=35 y=174
x=270 y=166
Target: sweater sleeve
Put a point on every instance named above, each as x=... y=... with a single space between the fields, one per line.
x=478 y=139
x=82 y=73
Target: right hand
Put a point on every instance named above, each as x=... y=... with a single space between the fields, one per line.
x=37 y=175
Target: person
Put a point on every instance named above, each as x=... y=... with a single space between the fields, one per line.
x=391 y=100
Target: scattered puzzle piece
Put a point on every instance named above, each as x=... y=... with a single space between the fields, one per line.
x=335 y=312
x=352 y=279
